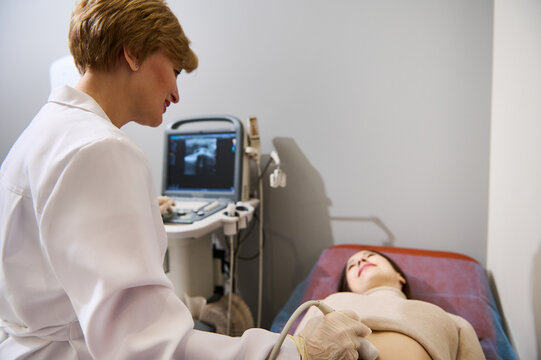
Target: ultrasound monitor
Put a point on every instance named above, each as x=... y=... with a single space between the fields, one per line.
x=203 y=164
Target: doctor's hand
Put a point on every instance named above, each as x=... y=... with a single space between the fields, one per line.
x=165 y=203
x=338 y=335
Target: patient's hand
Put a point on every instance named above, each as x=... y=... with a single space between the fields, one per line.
x=165 y=203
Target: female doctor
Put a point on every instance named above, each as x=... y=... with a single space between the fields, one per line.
x=81 y=236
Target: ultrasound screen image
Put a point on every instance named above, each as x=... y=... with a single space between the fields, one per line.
x=200 y=156
x=201 y=162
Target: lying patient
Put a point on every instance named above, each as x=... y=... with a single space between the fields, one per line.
x=377 y=290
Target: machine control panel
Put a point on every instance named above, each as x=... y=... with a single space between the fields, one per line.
x=187 y=211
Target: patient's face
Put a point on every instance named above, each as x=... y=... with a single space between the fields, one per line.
x=366 y=270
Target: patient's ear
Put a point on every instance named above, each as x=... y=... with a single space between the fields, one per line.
x=401 y=279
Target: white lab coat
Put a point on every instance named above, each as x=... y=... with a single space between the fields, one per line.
x=82 y=246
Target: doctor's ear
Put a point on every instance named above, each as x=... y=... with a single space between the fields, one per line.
x=132 y=60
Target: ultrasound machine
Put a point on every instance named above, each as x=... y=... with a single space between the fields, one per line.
x=204 y=167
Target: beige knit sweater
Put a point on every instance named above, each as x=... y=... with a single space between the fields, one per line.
x=443 y=335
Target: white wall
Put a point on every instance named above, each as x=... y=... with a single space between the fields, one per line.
x=514 y=242
x=380 y=112
x=32 y=35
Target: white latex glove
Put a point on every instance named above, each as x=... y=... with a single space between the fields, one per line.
x=338 y=335
x=165 y=203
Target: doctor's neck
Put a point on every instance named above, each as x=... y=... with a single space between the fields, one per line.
x=109 y=90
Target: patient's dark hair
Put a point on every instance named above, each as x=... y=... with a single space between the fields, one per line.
x=343 y=283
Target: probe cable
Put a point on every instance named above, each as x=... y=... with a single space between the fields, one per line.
x=260 y=289
x=243 y=239
x=231 y=272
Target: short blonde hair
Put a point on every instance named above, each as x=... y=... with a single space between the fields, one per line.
x=101 y=29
